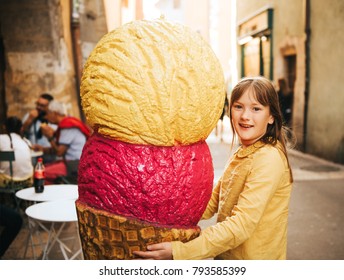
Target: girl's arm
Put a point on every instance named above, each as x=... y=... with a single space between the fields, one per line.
x=260 y=185
x=213 y=202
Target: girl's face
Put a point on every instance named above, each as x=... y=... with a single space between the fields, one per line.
x=250 y=118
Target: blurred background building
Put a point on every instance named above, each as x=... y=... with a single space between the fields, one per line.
x=45 y=43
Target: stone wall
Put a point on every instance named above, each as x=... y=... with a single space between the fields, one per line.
x=42 y=49
x=38 y=53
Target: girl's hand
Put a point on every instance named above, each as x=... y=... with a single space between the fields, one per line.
x=160 y=251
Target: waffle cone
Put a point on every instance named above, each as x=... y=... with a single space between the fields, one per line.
x=106 y=236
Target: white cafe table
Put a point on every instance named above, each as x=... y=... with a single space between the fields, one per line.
x=50 y=193
x=59 y=211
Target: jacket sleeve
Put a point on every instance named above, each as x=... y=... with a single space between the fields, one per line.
x=260 y=185
x=213 y=202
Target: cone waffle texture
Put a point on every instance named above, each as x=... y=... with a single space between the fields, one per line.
x=108 y=236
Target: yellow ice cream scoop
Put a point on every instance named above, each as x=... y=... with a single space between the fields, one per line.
x=153 y=83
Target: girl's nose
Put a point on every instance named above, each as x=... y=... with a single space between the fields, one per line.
x=245 y=114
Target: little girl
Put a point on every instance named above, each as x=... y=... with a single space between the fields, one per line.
x=252 y=196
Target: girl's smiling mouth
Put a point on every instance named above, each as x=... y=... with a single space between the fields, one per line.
x=245 y=125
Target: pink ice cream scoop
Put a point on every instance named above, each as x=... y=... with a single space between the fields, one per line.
x=166 y=186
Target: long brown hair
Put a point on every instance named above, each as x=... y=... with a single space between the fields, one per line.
x=265 y=93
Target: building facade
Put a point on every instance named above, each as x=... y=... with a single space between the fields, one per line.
x=299 y=42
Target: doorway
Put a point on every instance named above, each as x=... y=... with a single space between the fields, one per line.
x=290 y=63
x=291 y=70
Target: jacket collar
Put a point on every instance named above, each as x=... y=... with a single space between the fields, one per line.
x=244 y=152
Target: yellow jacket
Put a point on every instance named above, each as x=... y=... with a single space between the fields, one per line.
x=251 y=200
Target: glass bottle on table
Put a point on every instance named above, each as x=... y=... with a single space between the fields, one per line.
x=38 y=177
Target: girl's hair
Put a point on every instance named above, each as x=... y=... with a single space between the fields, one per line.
x=265 y=93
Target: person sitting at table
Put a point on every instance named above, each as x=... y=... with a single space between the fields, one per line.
x=66 y=142
x=32 y=122
x=12 y=140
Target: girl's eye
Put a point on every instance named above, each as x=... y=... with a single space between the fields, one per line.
x=237 y=106
x=256 y=109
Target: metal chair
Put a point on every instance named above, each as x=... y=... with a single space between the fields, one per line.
x=11 y=186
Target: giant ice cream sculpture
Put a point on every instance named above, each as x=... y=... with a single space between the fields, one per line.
x=152 y=91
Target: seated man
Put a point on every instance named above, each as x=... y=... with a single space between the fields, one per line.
x=67 y=142
x=32 y=122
